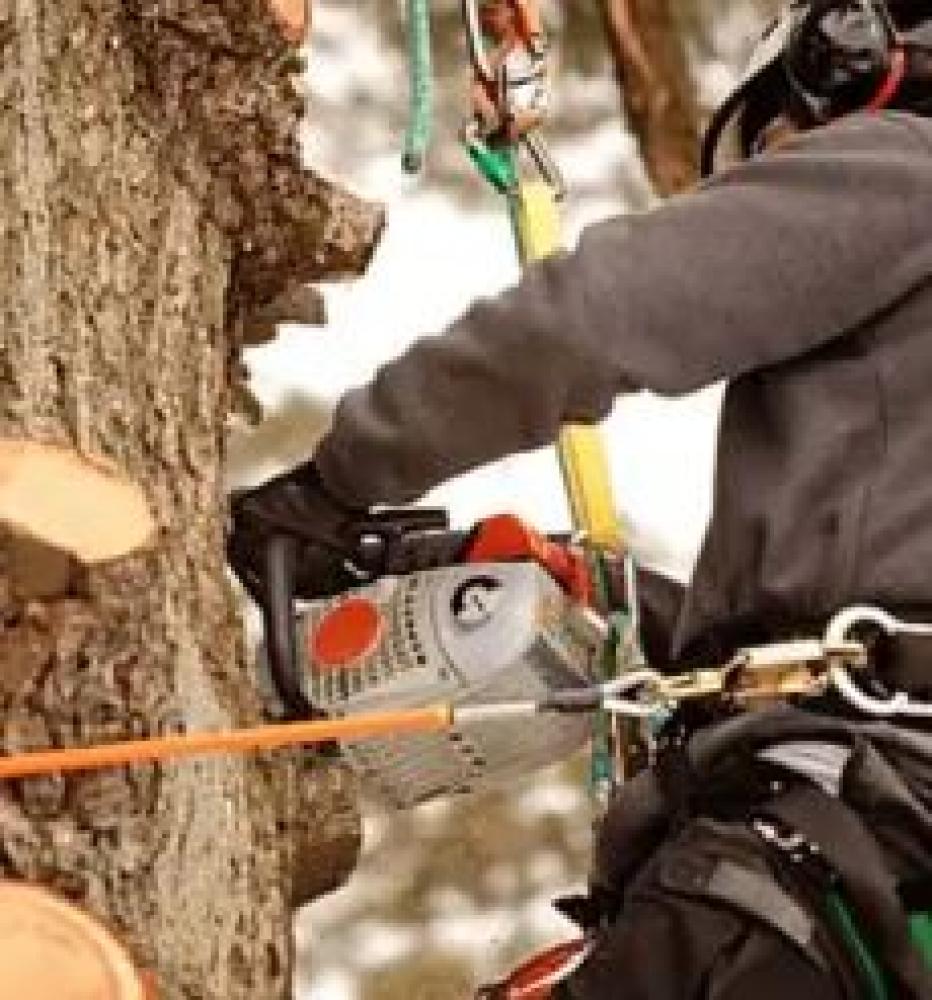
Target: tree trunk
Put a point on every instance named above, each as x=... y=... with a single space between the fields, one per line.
x=656 y=89
x=150 y=202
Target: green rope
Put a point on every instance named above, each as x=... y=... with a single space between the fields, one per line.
x=417 y=136
x=920 y=930
x=622 y=638
x=601 y=753
x=872 y=976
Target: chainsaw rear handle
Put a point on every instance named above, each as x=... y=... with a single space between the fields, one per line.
x=387 y=543
x=278 y=621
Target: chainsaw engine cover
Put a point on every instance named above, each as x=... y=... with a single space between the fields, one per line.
x=466 y=633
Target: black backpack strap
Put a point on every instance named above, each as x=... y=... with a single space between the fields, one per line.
x=751 y=892
x=866 y=877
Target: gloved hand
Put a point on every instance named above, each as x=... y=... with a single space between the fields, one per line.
x=298 y=506
x=335 y=546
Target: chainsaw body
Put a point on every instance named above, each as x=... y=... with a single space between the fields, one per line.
x=471 y=632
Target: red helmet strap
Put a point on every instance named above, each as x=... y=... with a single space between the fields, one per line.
x=891 y=82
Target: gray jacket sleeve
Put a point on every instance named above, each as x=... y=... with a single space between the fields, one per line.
x=766 y=262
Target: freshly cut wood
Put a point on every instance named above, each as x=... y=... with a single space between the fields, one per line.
x=51 y=950
x=72 y=502
x=292 y=17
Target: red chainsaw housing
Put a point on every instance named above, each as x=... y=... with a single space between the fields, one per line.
x=505 y=537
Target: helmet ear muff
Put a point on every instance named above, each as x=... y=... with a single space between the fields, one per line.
x=747 y=102
x=841 y=55
x=826 y=58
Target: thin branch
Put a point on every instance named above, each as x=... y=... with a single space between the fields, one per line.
x=656 y=89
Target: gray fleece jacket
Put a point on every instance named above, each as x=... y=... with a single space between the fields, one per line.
x=804 y=278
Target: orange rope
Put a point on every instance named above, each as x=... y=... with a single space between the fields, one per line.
x=429 y=719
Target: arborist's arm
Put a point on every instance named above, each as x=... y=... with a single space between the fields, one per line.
x=766 y=262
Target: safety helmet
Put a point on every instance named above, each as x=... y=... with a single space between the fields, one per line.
x=820 y=59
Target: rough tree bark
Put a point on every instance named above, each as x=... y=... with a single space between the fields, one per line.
x=150 y=203
x=656 y=88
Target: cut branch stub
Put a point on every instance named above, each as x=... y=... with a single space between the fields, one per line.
x=71 y=502
x=50 y=950
x=293 y=17
x=300 y=304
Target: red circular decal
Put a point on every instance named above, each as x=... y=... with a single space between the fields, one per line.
x=348 y=632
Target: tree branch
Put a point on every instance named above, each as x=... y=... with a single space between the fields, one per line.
x=656 y=89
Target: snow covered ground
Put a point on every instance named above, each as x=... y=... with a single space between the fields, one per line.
x=456 y=892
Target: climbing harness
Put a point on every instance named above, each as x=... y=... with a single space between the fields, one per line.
x=819 y=836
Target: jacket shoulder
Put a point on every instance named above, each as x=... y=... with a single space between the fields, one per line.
x=894 y=131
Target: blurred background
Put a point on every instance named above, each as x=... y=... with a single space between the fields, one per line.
x=455 y=892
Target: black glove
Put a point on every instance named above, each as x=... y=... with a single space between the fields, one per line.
x=334 y=546
x=296 y=506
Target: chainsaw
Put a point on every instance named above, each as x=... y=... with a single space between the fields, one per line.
x=449 y=662
x=495 y=615
x=496 y=624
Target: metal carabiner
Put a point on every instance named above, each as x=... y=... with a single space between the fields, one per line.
x=631 y=682
x=838 y=629
x=477 y=53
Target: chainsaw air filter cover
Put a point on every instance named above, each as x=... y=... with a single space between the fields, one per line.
x=467 y=633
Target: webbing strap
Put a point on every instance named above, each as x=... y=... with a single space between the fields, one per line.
x=759 y=895
x=587 y=478
x=536 y=221
x=586 y=475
